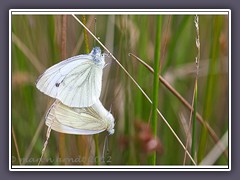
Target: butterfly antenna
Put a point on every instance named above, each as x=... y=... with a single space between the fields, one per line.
x=95 y=31
x=107 y=55
x=107 y=64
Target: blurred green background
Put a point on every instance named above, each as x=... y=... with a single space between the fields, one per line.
x=37 y=43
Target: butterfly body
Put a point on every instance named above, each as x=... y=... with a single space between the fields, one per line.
x=97 y=56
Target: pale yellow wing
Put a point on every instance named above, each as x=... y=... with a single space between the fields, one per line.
x=75 y=121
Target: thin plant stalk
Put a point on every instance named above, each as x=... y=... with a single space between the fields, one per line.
x=194 y=122
x=16 y=145
x=85 y=35
x=194 y=95
x=96 y=137
x=189 y=127
x=97 y=160
x=64 y=37
x=144 y=93
x=49 y=129
x=156 y=84
x=196 y=87
x=46 y=142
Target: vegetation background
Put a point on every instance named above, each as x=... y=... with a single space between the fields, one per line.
x=39 y=41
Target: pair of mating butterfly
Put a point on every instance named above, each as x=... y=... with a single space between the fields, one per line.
x=76 y=84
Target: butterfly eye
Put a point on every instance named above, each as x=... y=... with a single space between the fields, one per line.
x=106 y=54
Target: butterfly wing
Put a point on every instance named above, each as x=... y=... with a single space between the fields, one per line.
x=76 y=82
x=81 y=88
x=106 y=115
x=66 y=120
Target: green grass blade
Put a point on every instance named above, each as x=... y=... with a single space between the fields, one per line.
x=194 y=121
x=195 y=88
x=153 y=158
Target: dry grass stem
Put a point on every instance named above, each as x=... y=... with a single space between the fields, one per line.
x=16 y=145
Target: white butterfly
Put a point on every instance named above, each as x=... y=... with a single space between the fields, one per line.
x=85 y=121
x=76 y=81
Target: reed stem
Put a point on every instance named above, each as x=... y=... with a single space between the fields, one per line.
x=153 y=160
